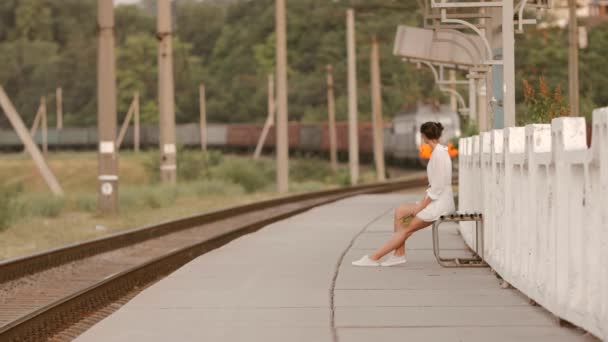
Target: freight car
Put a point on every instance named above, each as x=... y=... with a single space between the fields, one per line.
x=401 y=138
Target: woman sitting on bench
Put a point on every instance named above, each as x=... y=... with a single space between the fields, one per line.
x=439 y=200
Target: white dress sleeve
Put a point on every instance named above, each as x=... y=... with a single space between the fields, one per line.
x=438 y=173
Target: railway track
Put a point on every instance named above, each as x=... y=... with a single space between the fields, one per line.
x=57 y=295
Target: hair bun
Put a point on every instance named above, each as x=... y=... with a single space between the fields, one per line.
x=440 y=126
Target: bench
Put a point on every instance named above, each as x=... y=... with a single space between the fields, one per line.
x=477 y=259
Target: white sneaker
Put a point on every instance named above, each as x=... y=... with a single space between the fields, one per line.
x=366 y=261
x=394 y=260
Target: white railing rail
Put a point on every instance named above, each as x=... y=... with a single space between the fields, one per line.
x=544 y=196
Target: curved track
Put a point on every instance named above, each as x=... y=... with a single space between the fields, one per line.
x=60 y=293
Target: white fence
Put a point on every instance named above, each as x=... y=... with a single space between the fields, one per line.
x=544 y=197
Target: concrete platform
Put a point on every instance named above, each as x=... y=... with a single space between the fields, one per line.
x=292 y=281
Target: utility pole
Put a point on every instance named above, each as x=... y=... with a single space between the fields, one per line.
x=282 y=142
x=106 y=110
x=508 y=57
x=573 y=87
x=353 y=139
x=331 y=109
x=203 y=110
x=59 y=106
x=166 y=95
x=378 y=125
x=269 y=118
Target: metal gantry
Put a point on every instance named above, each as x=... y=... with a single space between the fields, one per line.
x=494 y=23
x=447 y=49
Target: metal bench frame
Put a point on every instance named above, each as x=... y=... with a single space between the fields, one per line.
x=477 y=260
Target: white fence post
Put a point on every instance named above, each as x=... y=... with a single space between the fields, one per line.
x=544 y=198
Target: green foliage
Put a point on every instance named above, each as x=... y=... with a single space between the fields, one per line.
x=543 y=53
x=542 y=104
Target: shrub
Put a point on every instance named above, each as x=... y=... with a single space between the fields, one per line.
x=307 y=186
x=86 y=202
x=301 y=170
x=251 y=175
x=191 y=164
x=544 y=104
x=44 y=205
x=217 y=187
x=8 y=204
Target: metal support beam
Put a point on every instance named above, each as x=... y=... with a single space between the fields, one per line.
x=331 y=112
x=166 y=94
x=378 y=125
x=106 y=110
x=353 y=139
x=282 y=141
x=26 y=139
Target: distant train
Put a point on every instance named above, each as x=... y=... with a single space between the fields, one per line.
x=402 y=140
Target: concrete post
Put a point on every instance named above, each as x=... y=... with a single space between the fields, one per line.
x=166 y=96
x=482 y=105
x=136 y=127
x=331 y=109
x=203 y=110
x=125 y=125
x=59 y=104
x=45 y=128
x=106 y=110
x=353 y=139
x=473 y=98
x=378 y=126
x=36 y=122
x=269 y=118
x=453 y=99
x=282 y=141
x=573 y=84
x=26 y=139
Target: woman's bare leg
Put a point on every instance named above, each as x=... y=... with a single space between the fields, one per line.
x=399 y=238
x=402 y=212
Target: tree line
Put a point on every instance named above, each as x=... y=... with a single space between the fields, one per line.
x=229 y=46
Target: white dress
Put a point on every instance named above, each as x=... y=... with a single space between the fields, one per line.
x=439 y=172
